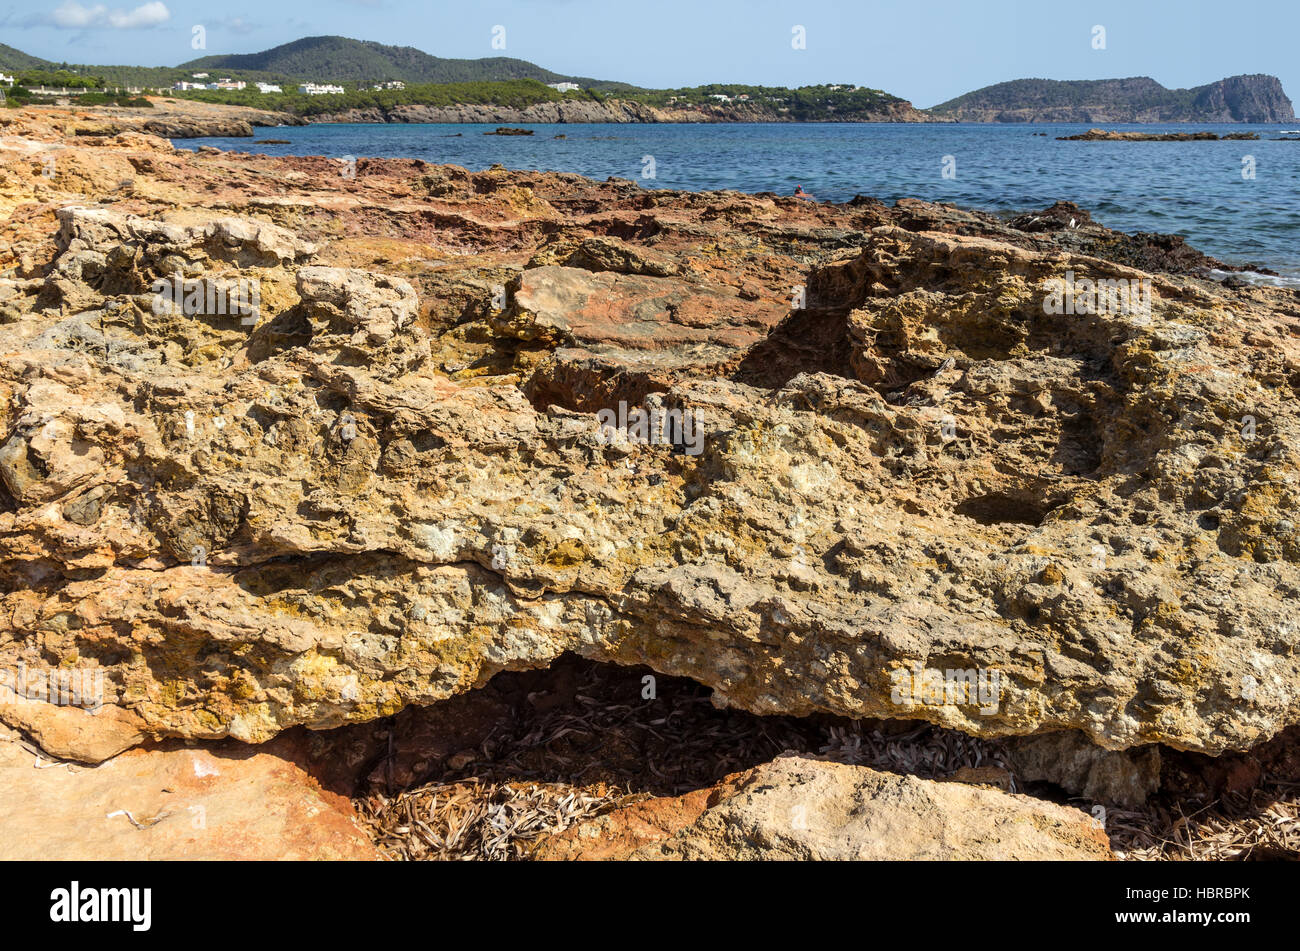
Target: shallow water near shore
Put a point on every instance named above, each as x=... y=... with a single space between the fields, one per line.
x=1194 y=189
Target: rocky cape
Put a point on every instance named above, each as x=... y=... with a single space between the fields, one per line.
x=392 y=482
x=1254 y=98
x=610 y=110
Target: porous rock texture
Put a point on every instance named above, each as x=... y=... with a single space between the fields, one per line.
x=393 y=484
x=800 y=809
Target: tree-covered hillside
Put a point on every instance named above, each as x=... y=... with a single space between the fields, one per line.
x=339 y=59
x=12 y=60
x=321 y=59
x=807 y=103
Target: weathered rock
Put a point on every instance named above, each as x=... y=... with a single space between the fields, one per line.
x=73 y=733
x=1125 y=777
x=373 y=305
x=922 y=494
x=194 y=128
x=171 y=805
x=796 y=808
x=611 y=254
x=637 y=321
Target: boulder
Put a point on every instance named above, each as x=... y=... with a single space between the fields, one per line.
x=801 y=809
x=175 y=804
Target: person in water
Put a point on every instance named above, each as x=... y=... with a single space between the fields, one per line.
x=800 y=193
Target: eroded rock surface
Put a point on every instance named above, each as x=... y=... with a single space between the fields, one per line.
x=801 y=809
x=392 y=482
x=178 y=804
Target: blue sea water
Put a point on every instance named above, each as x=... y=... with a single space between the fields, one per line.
x=1194 y=189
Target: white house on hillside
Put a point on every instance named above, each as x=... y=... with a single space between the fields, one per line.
x=565 y=87
x=268 y=87
x=314 y=89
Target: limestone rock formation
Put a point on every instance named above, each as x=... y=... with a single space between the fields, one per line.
x=999 y=479
x=796 y=808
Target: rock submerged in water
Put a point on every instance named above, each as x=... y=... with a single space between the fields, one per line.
x=1104 y=135
x=920 y=492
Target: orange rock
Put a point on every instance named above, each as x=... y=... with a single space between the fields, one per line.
x=213 y=803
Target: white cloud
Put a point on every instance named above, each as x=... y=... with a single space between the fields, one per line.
x=237 y=25
x=73 y=16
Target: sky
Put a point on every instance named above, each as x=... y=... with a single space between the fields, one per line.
x=926 y=51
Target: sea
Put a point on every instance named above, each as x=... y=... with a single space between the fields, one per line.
x=1236 y=200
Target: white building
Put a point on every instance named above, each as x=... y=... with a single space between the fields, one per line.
x=565 y=87
x=268 y=87
x=226 y=84
x=199 y=76
x=314 y=89
x=182 y=86
x=391 y=84
x=720 y=97
x=6 y=80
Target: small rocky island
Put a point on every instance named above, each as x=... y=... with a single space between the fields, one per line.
x=1103 y=135
x=1253 y=98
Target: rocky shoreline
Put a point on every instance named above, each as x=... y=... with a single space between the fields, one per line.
x=1025 y=482
x=170 y=119
x=187 y=119
x=612 y=110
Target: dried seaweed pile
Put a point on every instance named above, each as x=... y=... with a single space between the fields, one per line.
x=1262 y=825
x=568 y=755
x=541 y=771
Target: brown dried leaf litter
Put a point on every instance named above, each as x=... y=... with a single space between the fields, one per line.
x=536 y=775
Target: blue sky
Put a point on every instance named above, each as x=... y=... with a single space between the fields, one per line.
x=924 y=50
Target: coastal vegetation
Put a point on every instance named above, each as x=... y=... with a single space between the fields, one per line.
x=514 y=93
x=806 y=103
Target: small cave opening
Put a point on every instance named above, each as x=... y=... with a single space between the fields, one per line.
x=525 y=740
x=1001 y=509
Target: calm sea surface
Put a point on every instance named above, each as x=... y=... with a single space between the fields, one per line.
x=1195 y=189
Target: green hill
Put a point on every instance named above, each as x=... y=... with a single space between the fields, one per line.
x=334 y=59
x=339 y=59
x=12 y=60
